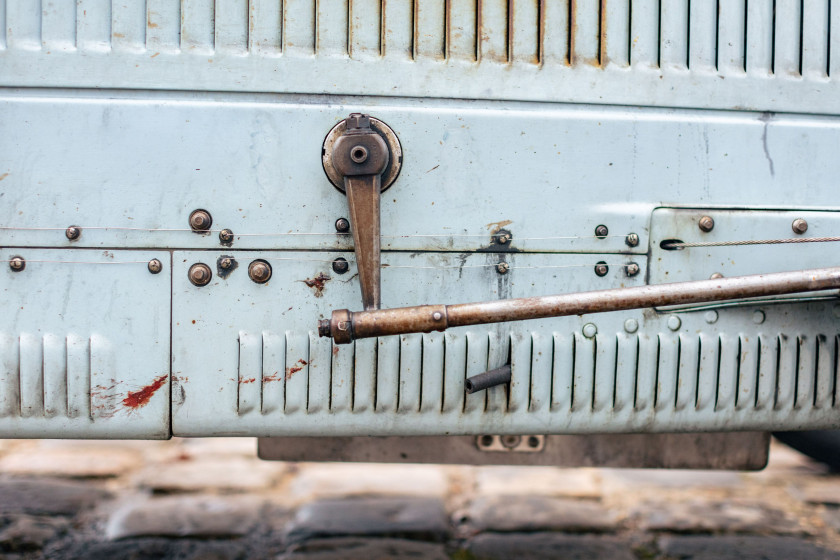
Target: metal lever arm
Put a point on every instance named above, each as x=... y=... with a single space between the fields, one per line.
x=360 y=155
x=346 y=326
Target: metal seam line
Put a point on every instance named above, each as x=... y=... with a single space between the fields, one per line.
x=384 y=265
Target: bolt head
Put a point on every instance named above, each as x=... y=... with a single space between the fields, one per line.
x=601 y=231
x=340 y=265
x=601 y=269
x=226 y=236
x=73 y=232
x=17 y=264
x=342 y=225
x=632 y=269
x=200 y=220
x=259 y=271
x=502 y=268
x=200 y=274
x=155 y=266
x=632 y=240
x=799 y=226
x=706 y=224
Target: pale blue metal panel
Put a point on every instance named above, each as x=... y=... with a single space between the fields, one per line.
x=759 y=58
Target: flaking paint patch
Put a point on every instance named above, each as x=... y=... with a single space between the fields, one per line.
x=317 y=284
x=138 y=399
x=290 y=371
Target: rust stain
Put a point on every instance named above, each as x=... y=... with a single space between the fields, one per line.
x=119 y=35
x=272 y=377
x=317 y=283
x=296 y=368
x=154 y=55
x=243 y=381
x=335 y=350
x=494 y=227
x=3 y=176
x=141 y=398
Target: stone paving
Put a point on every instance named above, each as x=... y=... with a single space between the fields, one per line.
x=213 y=499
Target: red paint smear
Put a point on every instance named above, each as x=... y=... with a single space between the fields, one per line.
x=141 y=397
x=248 y=380
x=294 y=369
x=272 y=377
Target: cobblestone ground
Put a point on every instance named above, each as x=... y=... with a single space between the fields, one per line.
x=212 y=499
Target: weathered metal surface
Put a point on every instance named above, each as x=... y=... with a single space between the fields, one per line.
x=762 y=57
x=345 y=326
x=732 y=451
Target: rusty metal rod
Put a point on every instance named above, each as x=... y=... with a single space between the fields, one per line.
x=345 y=326
x=498 y=376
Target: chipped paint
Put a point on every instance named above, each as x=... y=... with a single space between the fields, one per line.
x=138 y=399
x=290 y=371
x=317 y=284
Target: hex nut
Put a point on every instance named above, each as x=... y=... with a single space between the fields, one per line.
x=632 y=240
x=706 y=224
x=340 y=265
x=259 y=271
x=799 y=226
x=226 y=237
x=601 y=269
x=155 y=266
x=17 y=263
x=342 y=225
x=73 y=232
x=200 y=220
x=200 y=274
x=632 y=269
x=601 y=231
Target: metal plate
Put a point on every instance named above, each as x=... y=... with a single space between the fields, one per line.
x=733 y=450
x=84 y=345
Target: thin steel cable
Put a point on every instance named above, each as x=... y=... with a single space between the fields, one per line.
x=680 y=245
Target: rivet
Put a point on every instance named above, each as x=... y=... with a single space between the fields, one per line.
x=631 y=325
x=601 y=269
x=706 y=224
x=437 y=316
x=200 y=274
x=632 y=239
x=674 y=323
x=340 y=265
x=73 y=232
x=601 y=231
x=799 y=226
x=502 y=268
x=17 y=263
x=632 y=269
x=155 y=266
x=589 y=330
x=226 y=263
x=200 y=220
x=716 y=276
x=711 y=316
x=226 y=237
x=758 y=317
x=342 y=225
x=259 y=271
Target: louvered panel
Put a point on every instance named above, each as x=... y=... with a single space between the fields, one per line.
x=59 y=24
x=498 y=354
x=604 y=373
x=477 y=351
x=768 y=368
x=745 y=396
x=297 y=370
x=584 y=385
x=707 y=372
x=555 y=28
x=265 y=27
x=526 y=30
x=273 y=372
x=586 y=32
x=454 y=372
x=787 y=348
x=433 y=367
x=364 y=378
x=163 y=25
x=825 y=371
x=727 y=378
x=198 y=30
x=2 y=24
x=410 y=373
x=495 y=30
x=55 y=376
x=365 y=28
x=333 y=27
x=128 y=25
x=647 y=372
x=787 y=42
x=93 y=21
x=319 y=375
x=249 y=378
x=815 y=38
x=687 y=372
x=625 y=371
x=563 y=367
x=703 y=30
x=387 y=373
x=644 y=31
x=231 y=26
x=731 y=37
x=341 y=379
x=834 y=42
x=616 y=33
x=398 y=30
x=674 y=29
x=539 y=392
x=805 y=372
x=429 y=29
x=23 y=24
x=78 y=376
x=299 y=26
x=31 y=376
x=666 y=374
x=759 y=58
x=9 y=378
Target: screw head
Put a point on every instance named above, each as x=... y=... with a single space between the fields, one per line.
x=502 y=268
x=601 y=269
x=342 y=225
x=340 y=265
x=706 y=224
x=601 y=231
x=632 y=239
x=632 y=269
x=226 y=263
x=799 y=226
x=200 y=220
x=155 y=266
x=17 y=263
x=200 y=274
x=259 y=271
x=226 y=236
x=73 y=232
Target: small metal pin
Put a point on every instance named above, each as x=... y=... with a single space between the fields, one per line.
x=799 y=226
x=155 y=266
x=632 y=269
x=601 y=269
x=340 y=265
x=342 y=225
x=200 y=274
x=226 y=237
x=632 y=240
x=17 y=263
x=200 y=220
x=502 y=268
x=73 y=232
x=706 y=224
x=601 y=231
x=259 y=271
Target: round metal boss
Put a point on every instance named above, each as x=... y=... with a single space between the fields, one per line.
x=386 y=132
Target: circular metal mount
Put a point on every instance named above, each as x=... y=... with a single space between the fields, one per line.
x=388 y=135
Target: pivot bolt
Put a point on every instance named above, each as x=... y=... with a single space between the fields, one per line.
x=340 y=265
x=601 y=232
x=342 y=225
x=359 y=154
x=259 y=271
x=73 y=232
x=17 y=264
x=200 y=274
x=502 y=268
x=200 y=220
x=706 y=224
x=225 y=237
x=601 y=269
x=632 y=269
x=632 y=239
x=155 y=266
x=799 y=226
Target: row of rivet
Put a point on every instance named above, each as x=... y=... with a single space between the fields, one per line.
x=674 y=323
x=707 y=224
x=18 y=263
x=200 y=274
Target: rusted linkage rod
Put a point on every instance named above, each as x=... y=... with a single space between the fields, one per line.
x=345 y=326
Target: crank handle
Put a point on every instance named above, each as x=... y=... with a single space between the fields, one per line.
x=345 y=326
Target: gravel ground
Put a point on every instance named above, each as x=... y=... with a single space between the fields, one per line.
x=212 y=499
